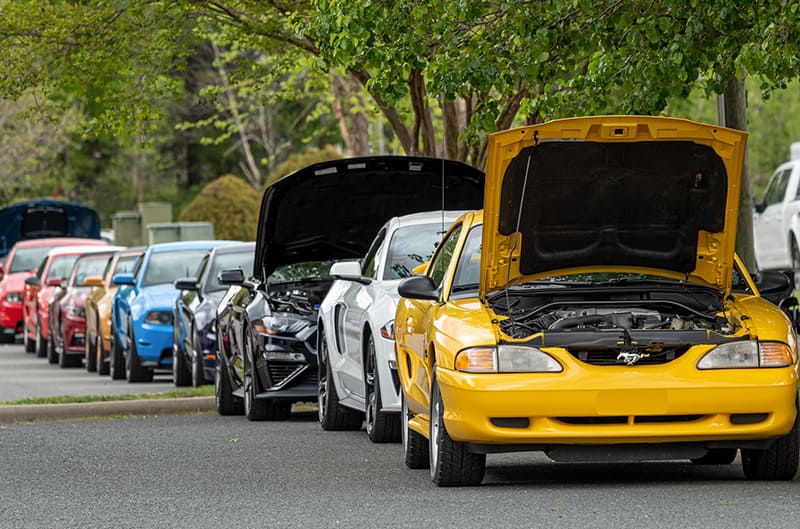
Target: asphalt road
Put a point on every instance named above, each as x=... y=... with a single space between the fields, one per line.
x=205 y=471
x=24 y=375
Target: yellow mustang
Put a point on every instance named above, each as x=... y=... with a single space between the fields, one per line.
x=595 y=310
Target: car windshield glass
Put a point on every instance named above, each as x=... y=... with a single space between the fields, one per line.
x=166 y=267
x=125 y=264
x=410 y=247
x=243 y=260
x=468 y=270
x=87 y=266
x=26 y=259
x=61 y=267
x=301 y=272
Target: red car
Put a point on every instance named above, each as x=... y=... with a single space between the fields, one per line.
x=21 y=261
x=67 y=318
x=53 y=269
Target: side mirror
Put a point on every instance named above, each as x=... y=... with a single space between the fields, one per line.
x=760 y=206
x=349 y=271
x=774 y=285
x=231 y=276
x=93 y=281
x=122 y=279
x=53 y=282
x=418 y=287
x=33 y=281
x=186 y=283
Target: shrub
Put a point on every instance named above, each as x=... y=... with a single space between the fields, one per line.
x=299 y=160
x=230 y=204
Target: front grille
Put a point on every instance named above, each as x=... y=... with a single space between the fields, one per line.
x=279 y=372
x=624 y=419
x=608 y=357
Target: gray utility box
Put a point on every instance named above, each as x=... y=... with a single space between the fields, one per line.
x=179 y=231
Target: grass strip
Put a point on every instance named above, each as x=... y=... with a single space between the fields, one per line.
x=202 y=391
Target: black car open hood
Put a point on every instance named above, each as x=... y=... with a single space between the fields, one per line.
x=332 y=210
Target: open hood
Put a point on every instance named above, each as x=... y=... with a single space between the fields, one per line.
x=332 y=210
x=648 y=194
x=45 y=218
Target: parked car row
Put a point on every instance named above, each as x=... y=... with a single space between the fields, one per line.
x=582 y=298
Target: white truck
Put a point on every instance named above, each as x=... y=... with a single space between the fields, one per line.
x=777 y=219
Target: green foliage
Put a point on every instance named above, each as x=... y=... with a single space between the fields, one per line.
x=299 y=160
x=230 y=204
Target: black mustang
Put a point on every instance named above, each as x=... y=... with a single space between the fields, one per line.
x=266 y=324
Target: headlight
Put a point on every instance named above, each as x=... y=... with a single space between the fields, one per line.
x=506 y=359
x=387 y=331
x=76 y=312
x=747 y=355
x=161 y=317
x=281 y=325
x=14 y=297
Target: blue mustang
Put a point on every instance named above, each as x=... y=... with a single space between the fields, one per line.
x=142 y=312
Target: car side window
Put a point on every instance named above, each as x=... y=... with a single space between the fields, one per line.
x=368 y=267
x=776 y=189
x=441 y=260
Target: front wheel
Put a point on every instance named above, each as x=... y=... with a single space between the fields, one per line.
x=134 y=370
x=196 y=367
x=41 y=342
x=227 y=403
x=116 y=360
x=452 y=465
x=795 y=264
x=30 y=345
x=180 y=373
x=381 y=427
x=332 y=415
x=91 y=353
x=415 y=446
x=779 y=462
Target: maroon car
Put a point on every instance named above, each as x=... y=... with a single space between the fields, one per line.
x=67 y=316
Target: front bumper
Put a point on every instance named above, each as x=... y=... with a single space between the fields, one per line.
x=618 y=405
x=154 y=344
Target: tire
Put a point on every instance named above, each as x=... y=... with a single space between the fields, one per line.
x=452 y=465
x=795 y=264
x=103 y=367
x=196 y=365
x=779 y=462
x=381 y=427
x=30 y=345
x=180 y=373
x=41 y=342
x=717 y=456
x=52 y=355
x=116 y=360
x=254 y=409
x=415 y=446
x=227 y=403
x=332 y=415
x=134 y=371
x=91 y=354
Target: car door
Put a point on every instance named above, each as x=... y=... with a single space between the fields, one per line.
x=351 y=314
x=770 y=236
x=421 y=314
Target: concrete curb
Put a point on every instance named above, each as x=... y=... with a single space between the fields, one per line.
x=83 y=410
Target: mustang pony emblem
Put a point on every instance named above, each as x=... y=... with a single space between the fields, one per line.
x=630 y=358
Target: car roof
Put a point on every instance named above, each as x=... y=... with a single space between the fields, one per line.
x=186 y=245
x=78 y=249
x=60 y=241
x=426 y=217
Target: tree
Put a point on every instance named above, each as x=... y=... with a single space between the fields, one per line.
x=230 y=204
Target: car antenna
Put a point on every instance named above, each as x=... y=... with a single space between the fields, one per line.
x=443 y=226
x=516 y=231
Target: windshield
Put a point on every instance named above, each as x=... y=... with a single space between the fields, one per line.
x=88 y=266
x=166 y=267
x=410 y=247
x=61 y=267
x=301 y=271
x=125 y=264
x=27 y=259
x=225 y=261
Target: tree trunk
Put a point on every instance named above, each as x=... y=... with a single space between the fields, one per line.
x=353 y=123
x=735 y=117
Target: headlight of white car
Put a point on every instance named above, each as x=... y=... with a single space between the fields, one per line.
x=506 y=359
x=747 y=354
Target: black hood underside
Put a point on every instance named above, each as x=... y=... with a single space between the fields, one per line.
x=332 y=210
x=613 y=204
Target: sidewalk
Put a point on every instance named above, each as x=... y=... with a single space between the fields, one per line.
x=23 y=413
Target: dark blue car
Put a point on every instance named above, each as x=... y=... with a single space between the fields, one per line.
x=142 y=312
x=194 y=345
